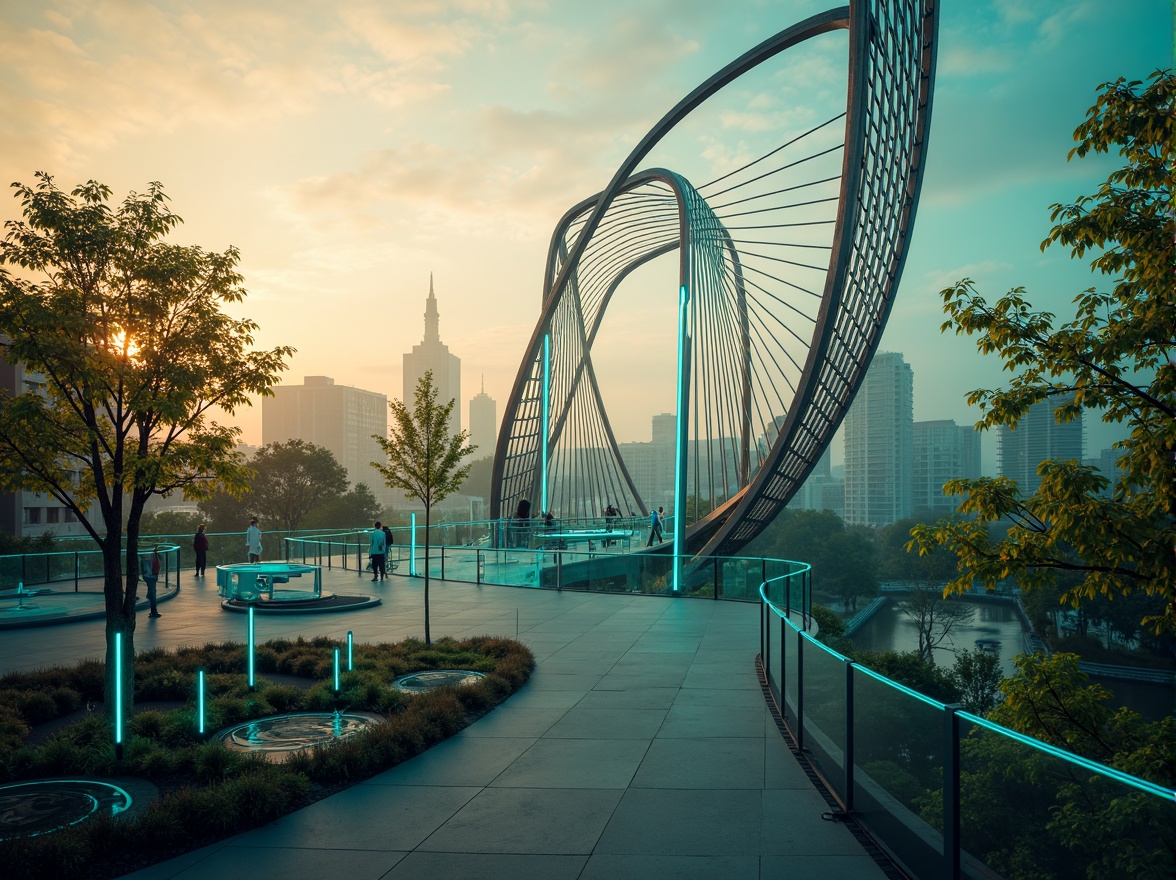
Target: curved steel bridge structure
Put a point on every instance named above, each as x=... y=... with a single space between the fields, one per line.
x=788 y=263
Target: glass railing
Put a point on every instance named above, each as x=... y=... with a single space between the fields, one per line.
x=69 y=568
x=951 y=794
x=564 y=560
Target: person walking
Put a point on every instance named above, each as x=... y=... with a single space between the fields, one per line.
x=149 y=569
x=379 y=553
x=655 y=527
x=200 y=548
x=253 y=541
x=389 y=565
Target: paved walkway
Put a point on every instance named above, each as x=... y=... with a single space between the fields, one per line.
x=641 y=747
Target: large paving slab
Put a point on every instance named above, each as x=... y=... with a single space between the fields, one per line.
x=640 y=748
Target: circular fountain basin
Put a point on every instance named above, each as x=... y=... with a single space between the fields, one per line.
x=419 y=682
x=41 y=806
x=280 y=736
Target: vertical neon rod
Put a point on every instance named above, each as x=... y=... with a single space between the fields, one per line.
x=251 y=653
x=412 y=549
x=200 y=702
x=336 y=670
x=681 y=426
x=545 y=427
x=118 y=690
x=349 y=655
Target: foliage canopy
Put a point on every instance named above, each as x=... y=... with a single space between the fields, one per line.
x=1115 y=356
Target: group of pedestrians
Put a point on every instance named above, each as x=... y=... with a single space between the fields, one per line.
x=380 y=542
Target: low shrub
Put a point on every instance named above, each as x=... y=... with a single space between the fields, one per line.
x=211 y=791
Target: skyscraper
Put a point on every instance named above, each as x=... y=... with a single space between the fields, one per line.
x=878 y=444
x=433 y=354
x=483 y=422
x=1036 y=438
x=339 y=418
x=942 y=451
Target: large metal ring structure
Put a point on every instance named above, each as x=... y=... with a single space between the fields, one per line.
x=788 y=266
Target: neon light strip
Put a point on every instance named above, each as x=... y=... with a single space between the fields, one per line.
x=680 y=450
x=118 y=689
x=200 y=701
x=336 y=670
x=412 y=549
x=1142 y=784
x=546 y=422
x=349 y=658
x=251 y=634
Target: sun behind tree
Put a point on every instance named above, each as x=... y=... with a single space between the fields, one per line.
x=129 y=335
x=424 y=459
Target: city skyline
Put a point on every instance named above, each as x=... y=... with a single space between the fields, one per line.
x=349 y=152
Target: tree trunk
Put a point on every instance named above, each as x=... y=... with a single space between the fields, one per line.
x=120 y=620
x=428 y=511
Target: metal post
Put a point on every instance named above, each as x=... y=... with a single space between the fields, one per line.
x=77 y=570
x=359 y=556
x=951 y=791
x=478 y=567
x=848 y=755
x=765 y=642
x=800 y=690
x=330 y=555
x=442 y=562
x=559 y=570
x=783 y=670
x=716 y=594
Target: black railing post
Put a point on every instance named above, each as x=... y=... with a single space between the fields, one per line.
x=951 y=791
x=77 y=570
x=765 y=642
x=478 y=567
x=442 y=562
x=716 y=595
x=848 y=755
x=788 y=597
x=800 y=690
x=359 y=556
x=330 y=554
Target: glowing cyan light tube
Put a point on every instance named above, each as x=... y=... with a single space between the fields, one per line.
x=118 y=693
x=349 y=657
x=336 y=670
x=412 y=548
x=251 y=653
x=545 y=426
x=681 y=426
x=200 y=702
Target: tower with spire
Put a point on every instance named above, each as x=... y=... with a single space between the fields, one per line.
x=483 y=422
x=433 y=354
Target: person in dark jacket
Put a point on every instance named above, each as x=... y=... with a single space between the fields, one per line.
x=149 y=570
x=200 y=547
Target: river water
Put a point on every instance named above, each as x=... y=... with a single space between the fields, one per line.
x=890 y=630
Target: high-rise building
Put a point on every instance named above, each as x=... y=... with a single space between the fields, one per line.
x=339 y=418
x=1037 y=437
x=1107 y=462
x=821 y=491
x=31 y=514
x=483 y=422
x=877 y=433
x=432 y=354
x=941 y=451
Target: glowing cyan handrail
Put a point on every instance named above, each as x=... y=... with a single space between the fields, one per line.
x=1101 y=769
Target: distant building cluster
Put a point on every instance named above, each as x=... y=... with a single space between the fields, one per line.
x=896 y=467
x=343 y=419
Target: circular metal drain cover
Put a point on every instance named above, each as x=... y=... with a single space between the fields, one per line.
x=42 y=806
x=280 y=735
x=419 y=682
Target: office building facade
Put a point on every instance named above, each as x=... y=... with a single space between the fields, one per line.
x=339 y=418
x=1037 y=437
x=483 y=423
x=877 y=432
x=941 y=451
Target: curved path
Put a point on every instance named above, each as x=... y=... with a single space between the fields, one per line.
x=641 y=747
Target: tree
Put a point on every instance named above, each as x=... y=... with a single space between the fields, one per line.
x=424 y=460
x=1115 y=356
x=228 y=511
x=357 y=507
x=978 y=678
x=293 y=478
x=128 y=335
x=842 y=557
x=169 y=522
x=934 y=617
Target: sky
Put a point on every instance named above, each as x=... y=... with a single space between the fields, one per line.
x=350 y=150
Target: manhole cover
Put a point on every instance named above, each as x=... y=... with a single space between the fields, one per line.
x=42 y=806
x=280 y=735
x=419 y=682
